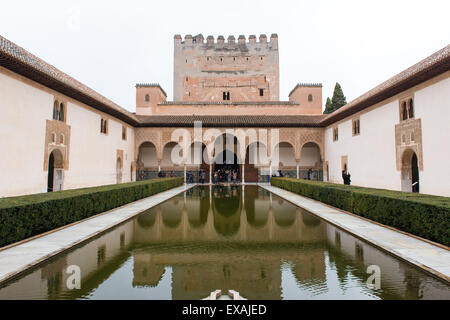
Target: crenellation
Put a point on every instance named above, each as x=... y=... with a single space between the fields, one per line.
x=199 y=40
x=188 y=40
x=229 y=65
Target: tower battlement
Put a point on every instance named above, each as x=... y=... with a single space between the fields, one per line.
x=233 y=69
x=230 y=42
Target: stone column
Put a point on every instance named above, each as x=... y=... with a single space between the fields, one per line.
x=298 y=173
x=210 y=174
x=185 y=173
x=243 y=173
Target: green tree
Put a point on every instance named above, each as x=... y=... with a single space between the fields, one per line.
x=328 y=107
x=338 y=100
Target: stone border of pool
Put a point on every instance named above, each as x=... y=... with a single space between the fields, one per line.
x=18 y=258
x=431 y=258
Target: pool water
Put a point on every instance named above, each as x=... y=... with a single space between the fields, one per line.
x=226 y=237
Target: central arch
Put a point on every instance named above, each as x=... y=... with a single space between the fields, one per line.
x=226 y=159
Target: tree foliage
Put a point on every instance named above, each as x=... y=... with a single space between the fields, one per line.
x=338 y=100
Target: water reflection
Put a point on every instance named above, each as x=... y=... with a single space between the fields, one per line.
x=220 y=237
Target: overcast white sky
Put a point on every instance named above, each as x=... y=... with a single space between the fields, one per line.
x=111 y=45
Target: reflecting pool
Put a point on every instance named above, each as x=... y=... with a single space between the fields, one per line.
x=226 y=237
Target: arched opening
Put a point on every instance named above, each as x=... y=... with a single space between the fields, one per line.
x=169 y=168
x=411 y=108
x=310 y=165
x=147 y=98
x=147 y=162
x=55 y=171
x=226 y=162
x=119 y=170
x=256 y=206
x=172 y=212
x=404 y=111
x=410 y=171
x=196 y=163
x=256 y=166
x=55 y=110
x=227 y=205
x=197 y=206
x=61 y=112
x=287 y=165
x=147 y=218
x=284 y=212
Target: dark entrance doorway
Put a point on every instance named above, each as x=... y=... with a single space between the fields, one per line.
x=51 y=171
x=225 y=164
x=414 y=173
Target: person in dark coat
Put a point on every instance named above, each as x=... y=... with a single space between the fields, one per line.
x=346 y=177
x=310 y=174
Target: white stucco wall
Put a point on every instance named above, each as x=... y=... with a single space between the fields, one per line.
x=25 y=108
x=432 y=105
x=93 y=155
x=372 y=154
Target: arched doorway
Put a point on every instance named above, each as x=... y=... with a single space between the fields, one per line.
x=147 y=162
x=169 y=165
x=55 y=175
x=286 y=163
x=410 y=171
x=256 y=166
x=226 y=161
x=310 y=165
x=196 y=162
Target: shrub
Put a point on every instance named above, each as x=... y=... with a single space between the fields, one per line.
x=26 y=216
x=423 y=215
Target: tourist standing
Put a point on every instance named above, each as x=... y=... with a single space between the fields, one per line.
x=202 y=175
x=309 y=174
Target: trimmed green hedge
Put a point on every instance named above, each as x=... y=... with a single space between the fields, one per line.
x=423 y=215
x=26 y=216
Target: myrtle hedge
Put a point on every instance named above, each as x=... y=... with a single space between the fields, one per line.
x=26 y=216
x=423 y=215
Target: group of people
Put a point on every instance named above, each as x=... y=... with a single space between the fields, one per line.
x=225 y=175
x=163 y=174
x=220 y=175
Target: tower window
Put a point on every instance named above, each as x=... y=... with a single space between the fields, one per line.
x=147 y=98
x=310 y=97
x=261 y=92
x=226 y=95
